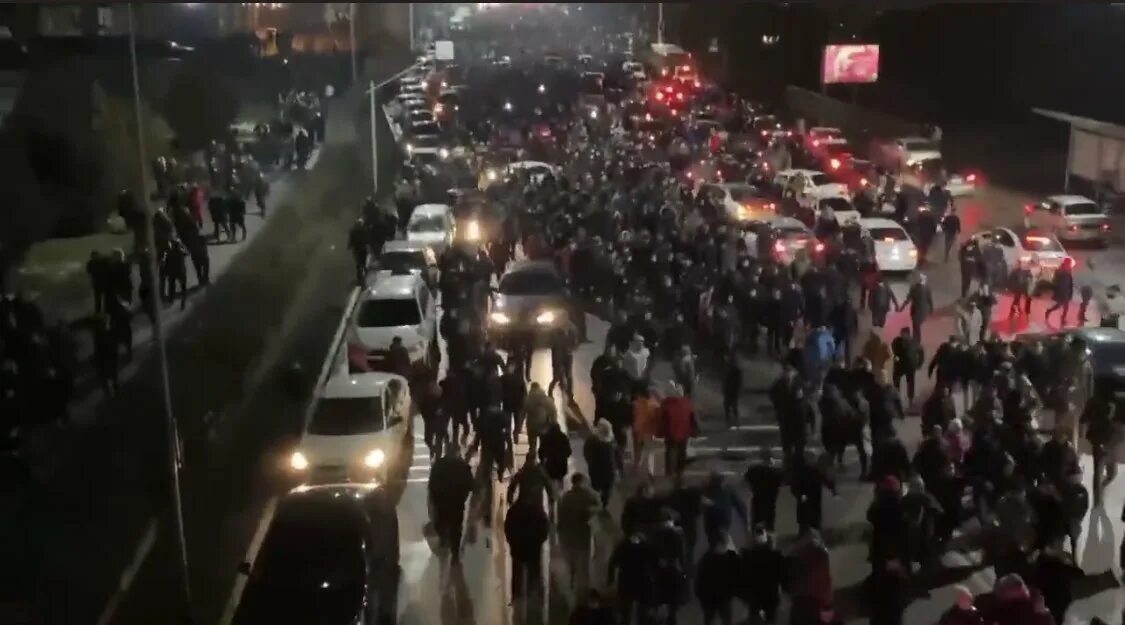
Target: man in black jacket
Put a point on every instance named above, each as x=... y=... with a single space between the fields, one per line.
x=907 y=360
x=880 y=300
x=525 y=529
x=921 y=301
x=451 y=483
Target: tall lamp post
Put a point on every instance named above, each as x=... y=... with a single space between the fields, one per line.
x=172 y=429
x=372 y=89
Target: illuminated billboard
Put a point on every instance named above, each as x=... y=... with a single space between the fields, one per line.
x=850 y=63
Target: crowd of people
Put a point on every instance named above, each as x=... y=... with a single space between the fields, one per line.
x=675 y=276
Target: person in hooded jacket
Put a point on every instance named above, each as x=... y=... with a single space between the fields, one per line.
x=1063 y=291
x=526 y=528
x=450 y=484
x=554 y=452
x=601 y=460
x=632 y=568
x=575 y=510
x=762 y=576
x=716 y=580
x=539 y=413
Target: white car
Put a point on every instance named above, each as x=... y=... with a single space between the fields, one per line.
x=398 y=306
x=894 y=250
x=634 y=70
x=1038 y=249
x=399 y=257
x=842 y=209
x=923 y=172
x=742 y=202
x=905 y=151
x=419 y=117
x=1070 y=217
x=356 y=430
x=536 y=170
x=431 y=224
x=816 y=186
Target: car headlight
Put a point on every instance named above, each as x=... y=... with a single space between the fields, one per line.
x=298 y=461
x=409 y=148
x=491 y=174
x=374 y=459
x=593 y=113
x=472 y=231
x=443 y=153
x=500 y=318
x=547 y=317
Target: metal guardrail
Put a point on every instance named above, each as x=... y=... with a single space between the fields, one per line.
x=337 y=354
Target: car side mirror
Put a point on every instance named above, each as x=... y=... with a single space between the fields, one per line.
x=244 y=568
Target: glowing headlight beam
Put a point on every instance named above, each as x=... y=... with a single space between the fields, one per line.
x=547 y=317
x=374 y=459
x=298 y=461
x=500 y=318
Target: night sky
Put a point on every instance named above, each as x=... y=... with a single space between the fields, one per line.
x=949 y=62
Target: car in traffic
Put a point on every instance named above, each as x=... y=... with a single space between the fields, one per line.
x=790 y=236
x=925 y=172
x=405 y=256
x=903 y=152
x=330 y=556
x=358 y=431
x=1037 y=249
x=1071 y=218
x=399 y=306
x=818 y=135
x=1105 y=348
x=740 y=201
x=432 y=225
x=530 y=297
x=537 y=171
x=894 y=249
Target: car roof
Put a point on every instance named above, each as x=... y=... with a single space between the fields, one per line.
x=392 y=287
x=1067 y=200
x=825 y=129
x=794 y=172
x=531 y=265
x=879 y=222
x=356 y=385
x=913 y=139
x=431 y=209
x=737 y=185
x=786 y=222
x=403 y=245
x=529 y=164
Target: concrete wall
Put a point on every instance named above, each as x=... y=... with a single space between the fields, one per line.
x=853 y=120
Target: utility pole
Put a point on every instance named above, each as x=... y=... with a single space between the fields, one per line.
x=660 y=22
x=351 y=37
x=374 y=144
x=411 y=15
x=173 y=435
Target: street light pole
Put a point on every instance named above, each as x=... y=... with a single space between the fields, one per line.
x=411 y=12
x=173 y=434
x=660 y=22
x=372 y=88
x=351 y=35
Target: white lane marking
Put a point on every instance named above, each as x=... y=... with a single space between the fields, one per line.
x=148 y=539
x=251 y=553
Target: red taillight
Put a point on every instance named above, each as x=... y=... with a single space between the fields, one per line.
x=668 y=89
x=697 y=85
x=765 y=132
x=863 y=182
x=971 y=178
x=1028 y=208
x=834 y=163
x=1073 y=228
x=819 y=247
x=680 y=95
x=659 y=95
x=779 y=247
x=1105 y=227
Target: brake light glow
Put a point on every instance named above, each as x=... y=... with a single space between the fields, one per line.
x=913 y=253
x=971 y=178
x=765 y=133
x=816 y=143
x=863 y=182
x=1105 y=227
x=834 y=163
x=438 y=108
x=779 y=247
x=668 y=89
x=648 y=117
x=1028 y=208
x=819 y=247
x=1073 y=228
x=888 y=240
x=697 y=84
x=1038 y=239
x=773 y=206
x=685 y=68
x=680 y=95
x=659 y=95
x=1026 y=259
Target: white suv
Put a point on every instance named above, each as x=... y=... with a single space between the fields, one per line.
x=397 y=306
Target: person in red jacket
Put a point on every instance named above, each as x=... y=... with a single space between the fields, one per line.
x=677 y=420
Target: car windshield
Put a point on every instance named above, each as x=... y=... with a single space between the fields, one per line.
x=427 y=223
x=883 y=234
x=530 y=283
x=836 y=204
x=837 y=148
x=921 y=145
x=1083 y=208
x=425 y=128
x=819 y=180
x=347 y=416
x=743 y=194
x=792 y=231
x=1041 y=243
x=309 y=570
x=388 y=313
x=399 y=262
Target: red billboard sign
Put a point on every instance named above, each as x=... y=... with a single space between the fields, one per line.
x=850 y=63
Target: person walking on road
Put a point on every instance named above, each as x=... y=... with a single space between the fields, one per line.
x=97 y=269
x=762 y=576
x=576 y=508
x=632 y=572
x=539 y=413
x=357 y=244
x=678 y=425
x=732 y=391
x=450 y=484
x=809 y=482
x=526 y=528
x=646 y=425
x=236 y=213
x=950 y=228
x=1063 y=290
x=908 y=359
x=880 y=300
x=921 y=301
x=601 y=460
x=717 y=580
